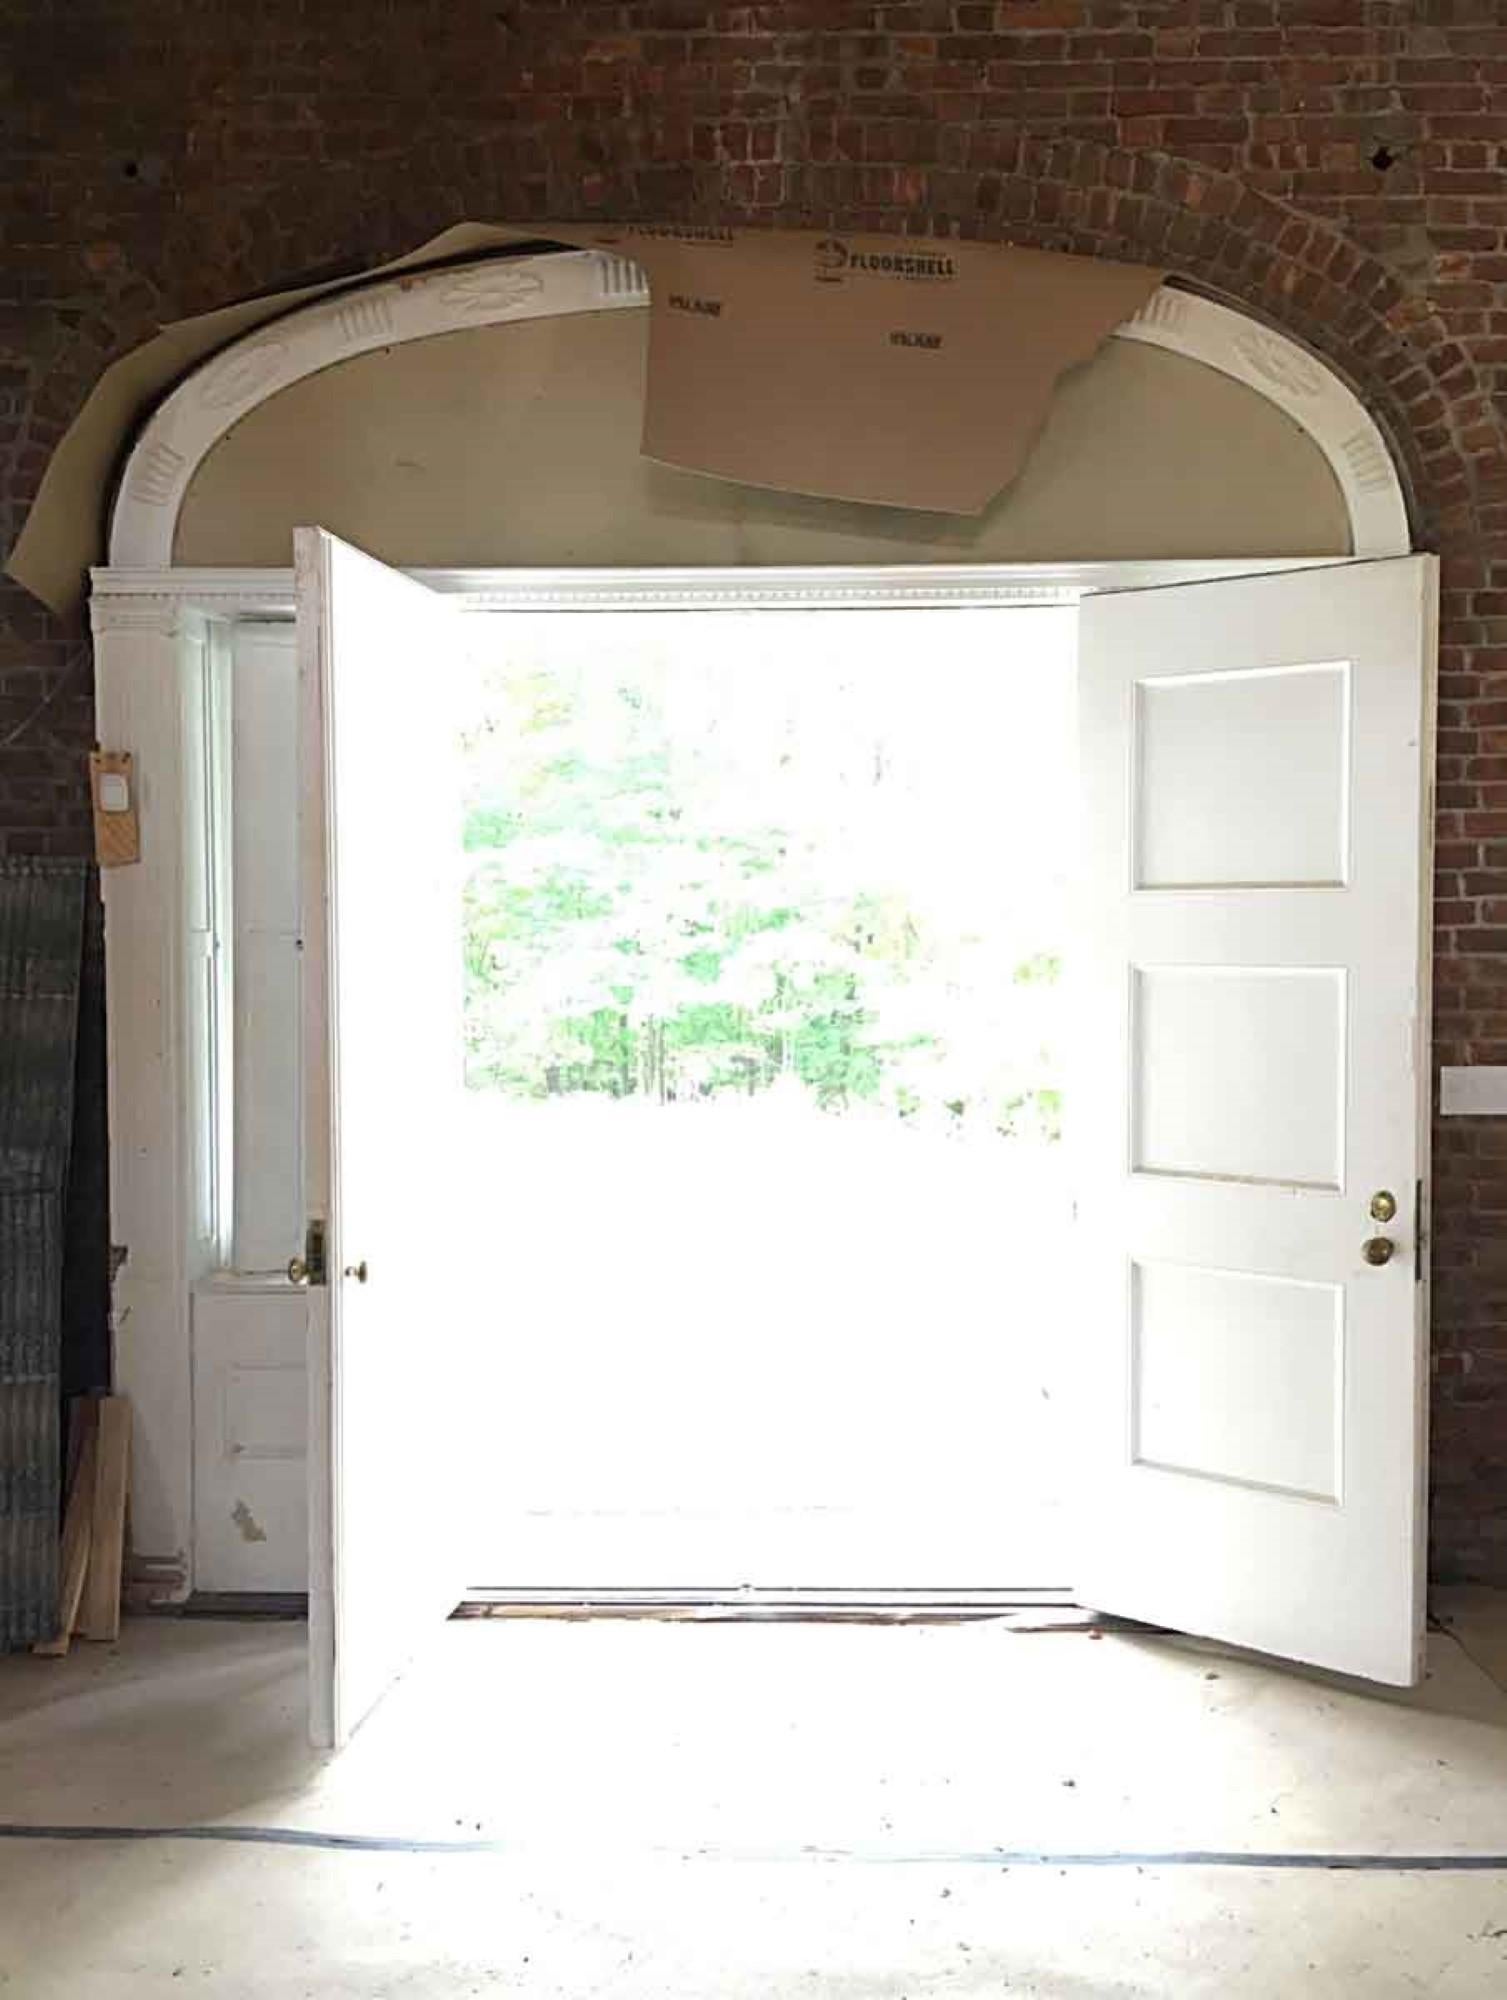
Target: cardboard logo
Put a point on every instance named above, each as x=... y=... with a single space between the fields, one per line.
x=704 y=235
x=831 y=260
x=834 y=261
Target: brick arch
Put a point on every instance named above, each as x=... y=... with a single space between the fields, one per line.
x=1297 y=273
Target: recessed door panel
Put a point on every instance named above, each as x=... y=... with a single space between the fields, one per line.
x=1242 y=778
x=1238 y=1073
x=1237 y=1377
x=251 y=1427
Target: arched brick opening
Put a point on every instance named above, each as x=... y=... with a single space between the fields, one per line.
x=1416 y=366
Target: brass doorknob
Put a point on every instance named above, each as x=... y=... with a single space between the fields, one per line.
x=357 y=1271
x=1378 y=1249
x=298 y=1270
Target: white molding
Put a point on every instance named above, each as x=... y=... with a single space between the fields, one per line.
x=150 y=666
x=417 y=305
x=1305 y=389
x=413 y=306
x=127 y=598
x=154 y=611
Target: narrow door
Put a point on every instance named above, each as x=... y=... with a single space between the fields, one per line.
x=1253 y=1106
x=380 y=846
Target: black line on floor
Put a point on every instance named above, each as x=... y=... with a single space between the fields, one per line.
x=989 y=1857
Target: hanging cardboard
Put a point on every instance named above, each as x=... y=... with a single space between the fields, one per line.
x=903 y=371
x=64 y=532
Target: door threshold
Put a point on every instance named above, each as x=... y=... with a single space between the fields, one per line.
x=747 y=1602
x=264 y=1604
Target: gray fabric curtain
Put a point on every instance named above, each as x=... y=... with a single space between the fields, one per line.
x=41 y=933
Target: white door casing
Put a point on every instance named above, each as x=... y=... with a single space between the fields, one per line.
x=1254 y=1070
x=380 y=854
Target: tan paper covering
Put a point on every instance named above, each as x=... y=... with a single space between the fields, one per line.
x=907 y=371
x=117 y=835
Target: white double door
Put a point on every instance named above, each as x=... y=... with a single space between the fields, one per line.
x=1250 y=1108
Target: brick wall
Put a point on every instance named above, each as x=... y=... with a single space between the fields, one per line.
x=1334 y=165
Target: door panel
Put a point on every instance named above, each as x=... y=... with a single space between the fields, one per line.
x=1205 y=1042
x=251 y=1429
x=1214 y=751
x=380 y=855
x=1256 y=757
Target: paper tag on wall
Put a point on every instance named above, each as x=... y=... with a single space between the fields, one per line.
x=112 y=785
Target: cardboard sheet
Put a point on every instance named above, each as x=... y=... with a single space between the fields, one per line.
x=904 y=371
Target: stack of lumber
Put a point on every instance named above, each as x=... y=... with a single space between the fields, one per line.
x=94 y=1523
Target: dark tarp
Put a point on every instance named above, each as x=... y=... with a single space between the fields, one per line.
x=41 y=935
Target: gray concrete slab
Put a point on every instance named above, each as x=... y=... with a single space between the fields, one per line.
x=676 y=1810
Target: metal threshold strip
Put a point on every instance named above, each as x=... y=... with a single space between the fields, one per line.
x=1037 y=1608
x=730 y=1603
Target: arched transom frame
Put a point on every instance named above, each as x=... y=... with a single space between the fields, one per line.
x=496 y=291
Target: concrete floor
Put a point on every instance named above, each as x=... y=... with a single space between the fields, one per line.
x=689 y=1811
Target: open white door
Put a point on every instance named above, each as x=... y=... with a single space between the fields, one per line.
x=1253 y=1105
x=381 y=879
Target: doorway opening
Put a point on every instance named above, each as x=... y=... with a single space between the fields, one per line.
x=1249 y=1095
x=768 y=920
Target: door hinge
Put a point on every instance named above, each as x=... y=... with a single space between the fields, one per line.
x=312 y=1267
x=1418 y=1235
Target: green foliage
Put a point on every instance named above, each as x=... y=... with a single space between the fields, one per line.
x=638 y=925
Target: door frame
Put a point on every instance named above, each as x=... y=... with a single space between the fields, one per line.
x=162 y=634
x=163 y=639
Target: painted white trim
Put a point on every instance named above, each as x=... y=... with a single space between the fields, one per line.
x=218 y=816
x=420 y=304
x=122 y=597
x=1303 y=388
x=413 y=306
x=152 y=669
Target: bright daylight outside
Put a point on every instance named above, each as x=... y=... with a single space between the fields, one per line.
x=766 y=916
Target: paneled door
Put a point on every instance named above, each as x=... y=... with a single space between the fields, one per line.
x=389 y=1376
x=1253 y=1108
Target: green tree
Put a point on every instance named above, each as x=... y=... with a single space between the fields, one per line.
x=635 y=929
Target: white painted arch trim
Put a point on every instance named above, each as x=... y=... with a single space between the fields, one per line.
x=499 y=290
